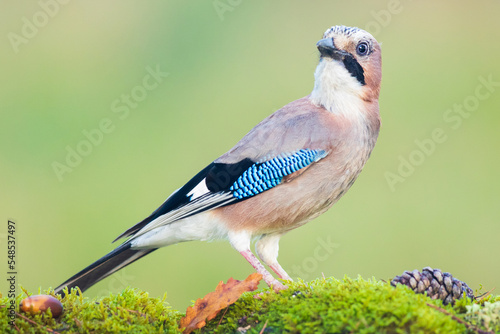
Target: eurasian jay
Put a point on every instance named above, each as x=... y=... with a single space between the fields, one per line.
x=288 y=170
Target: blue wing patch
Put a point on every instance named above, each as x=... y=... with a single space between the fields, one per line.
x=266 y=175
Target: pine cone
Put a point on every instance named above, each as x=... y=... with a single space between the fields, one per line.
x=435 y=283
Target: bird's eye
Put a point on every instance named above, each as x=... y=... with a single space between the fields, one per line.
x=362 y=49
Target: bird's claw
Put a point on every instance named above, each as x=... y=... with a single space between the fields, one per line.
x=278 y=286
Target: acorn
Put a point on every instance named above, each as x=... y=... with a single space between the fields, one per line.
x=41 y=303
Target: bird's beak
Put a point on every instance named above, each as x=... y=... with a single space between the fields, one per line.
x=327 y=48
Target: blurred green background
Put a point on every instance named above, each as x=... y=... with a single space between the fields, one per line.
x=230 y=64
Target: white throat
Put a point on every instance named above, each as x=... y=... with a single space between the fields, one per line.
x=337 y=90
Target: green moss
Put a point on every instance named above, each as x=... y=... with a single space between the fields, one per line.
x=338 y=306
x=321 y=306
x=131 y=311
x=487 y=316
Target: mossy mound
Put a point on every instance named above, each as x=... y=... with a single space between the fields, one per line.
x=321 y=306
x=340 y=306
x=131 y=311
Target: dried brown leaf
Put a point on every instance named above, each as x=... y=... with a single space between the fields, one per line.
x=207 y=308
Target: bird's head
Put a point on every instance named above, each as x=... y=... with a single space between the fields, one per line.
x=350 y=67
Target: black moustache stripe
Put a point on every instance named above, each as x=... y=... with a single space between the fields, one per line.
x=352 y=65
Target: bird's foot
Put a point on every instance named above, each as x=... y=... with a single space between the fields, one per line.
x=278 y=286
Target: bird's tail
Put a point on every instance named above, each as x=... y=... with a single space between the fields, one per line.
x=102 y=268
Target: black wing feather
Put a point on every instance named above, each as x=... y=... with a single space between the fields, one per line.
x=102 y=268
x=218 y=177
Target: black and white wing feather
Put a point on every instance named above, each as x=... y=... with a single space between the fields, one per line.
x=215 y=186
x=223 y=184
x=206 y=190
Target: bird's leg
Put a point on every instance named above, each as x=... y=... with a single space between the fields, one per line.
x=267 y=248
x=266 y=275
x=240 y=240
x=280 y=272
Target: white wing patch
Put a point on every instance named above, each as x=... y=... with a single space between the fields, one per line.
x=198 y=191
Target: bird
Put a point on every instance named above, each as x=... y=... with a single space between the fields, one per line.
x=288 y=170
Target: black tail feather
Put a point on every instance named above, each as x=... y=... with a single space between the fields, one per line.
x=102 y=268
